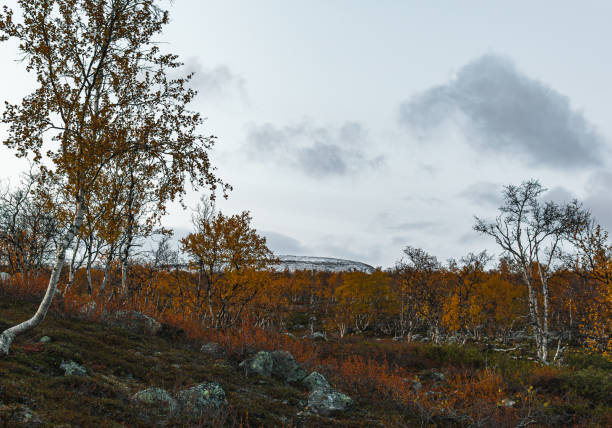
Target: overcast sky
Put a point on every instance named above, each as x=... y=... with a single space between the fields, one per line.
x=353 y=128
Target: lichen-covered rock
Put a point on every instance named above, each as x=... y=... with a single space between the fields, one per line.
x=73 y=369
x=213 y=349
x=317 y=335
x=19 y=415
x=260 y=364
x=135 y=322
x=286 y=368
x=203 y=398
x=329 y=402
x=157 y=397
x=315 y=381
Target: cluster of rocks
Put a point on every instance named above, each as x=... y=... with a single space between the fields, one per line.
x=322 y=400
x=202 y=399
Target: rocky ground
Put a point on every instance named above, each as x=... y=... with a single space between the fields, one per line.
x=129 y=370
x=126 y=369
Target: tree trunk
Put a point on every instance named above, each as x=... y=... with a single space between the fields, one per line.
x=7 y=337
x=107 y=268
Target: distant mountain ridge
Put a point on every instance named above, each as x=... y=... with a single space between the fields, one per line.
x=327 y=264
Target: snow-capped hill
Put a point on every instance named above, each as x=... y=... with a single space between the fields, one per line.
x=328 y=264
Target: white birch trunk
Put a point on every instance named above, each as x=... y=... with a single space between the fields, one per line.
x=7 y=337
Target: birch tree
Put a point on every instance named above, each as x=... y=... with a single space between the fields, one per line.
x=532 y=233
x=102 y=98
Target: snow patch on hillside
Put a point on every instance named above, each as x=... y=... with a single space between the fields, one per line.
x=327 y=264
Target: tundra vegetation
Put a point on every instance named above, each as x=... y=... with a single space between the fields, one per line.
x=521 y=340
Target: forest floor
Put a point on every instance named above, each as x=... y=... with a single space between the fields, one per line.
x=392 y=383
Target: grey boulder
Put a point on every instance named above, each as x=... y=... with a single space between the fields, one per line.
x=328 y=402
x=286 y=368
x=158 y=397
x=315 y=381
x=133 y=321
x=202 y=399
x=260 y=364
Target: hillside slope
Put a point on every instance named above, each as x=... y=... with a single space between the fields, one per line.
x=119 y=363
x=327 y=264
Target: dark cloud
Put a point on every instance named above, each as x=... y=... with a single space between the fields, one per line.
x=317 y=151
x=215 y=82
x=284 y=245
x=343 y=248
x=559 y=195
x=484 y=193
x=599 y=199
x=472 y=237
x=327 y=246
x=500 y=109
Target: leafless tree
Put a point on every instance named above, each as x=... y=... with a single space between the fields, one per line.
x=532 y=234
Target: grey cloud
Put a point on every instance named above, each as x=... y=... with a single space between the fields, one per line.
x=390 y=222
x=399 y=240
x=283 y=244
x=214 y=82
x=502 y=110
x=559 y=194
x=484 y=193
x=473 y=238
x=423 y=200
x=336 y=246
x=322 y=160
x=315 y=150
x=599 y=199
x=327 y=246
x=417 y=225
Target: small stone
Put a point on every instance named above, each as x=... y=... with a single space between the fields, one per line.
x=45 y=339
x=316 y=336
x=73 y=369
x=507 y=402
x=213 y=349
x=438 y=376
